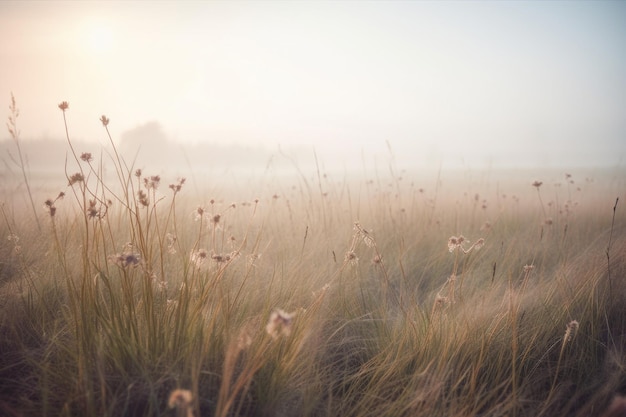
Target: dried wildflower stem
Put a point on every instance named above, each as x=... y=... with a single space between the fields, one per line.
x=123 y=171
x=608 y=248
x=537 y=185
x=15 y=134
x=64 y=106
x=513 y=311
x=229 y=391
x=570 y=333
x=81 y=179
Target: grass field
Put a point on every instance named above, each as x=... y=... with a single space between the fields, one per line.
x=377 y=293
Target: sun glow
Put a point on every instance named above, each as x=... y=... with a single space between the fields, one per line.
x=100 y=38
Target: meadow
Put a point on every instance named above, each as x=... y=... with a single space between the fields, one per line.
x=388 y=292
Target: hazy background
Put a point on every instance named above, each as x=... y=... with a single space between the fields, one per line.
x=514 y=84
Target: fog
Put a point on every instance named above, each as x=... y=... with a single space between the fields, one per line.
x=343 y=85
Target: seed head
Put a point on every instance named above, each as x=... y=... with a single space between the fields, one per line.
x=351 y=258
x=92 y=211
x=440 y=300
x=570 y=331
x=198 y=213
x=49 y=206
x=279 y=323
x=456 y=242
x=452 y=243
x=152 y=182
x=64 y=106
x=171 y=243
x=180 y=398
x=143 y=199
x=125 y=259
x=86 y=156
x=199 y=258
x=104 y=120
x=537 y=184
x=178 y=186
x=78 y=177
x=479 y=244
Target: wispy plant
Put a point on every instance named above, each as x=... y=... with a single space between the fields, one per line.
x=21 y=163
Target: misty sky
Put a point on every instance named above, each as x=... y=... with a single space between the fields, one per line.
x=511 y=83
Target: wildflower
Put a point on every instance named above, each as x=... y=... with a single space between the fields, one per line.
x=17 y=249
x=224 y=258
x=570 y=331
x=479 y=244
x=528 y=268
x=199 y=258
x=181 y=400
x=74 y=178
x=138 y=173
x=143 y=198
x=86 y=156
x=64 y=106
x=244 y=340
x=441 y=301
x=351 y=258
x=125 y=259
x=171 y=242
x=279 y=323
x=253 y=258
x=452 y=243
x=178 y=186
x=152 y=182
x=49 y=207
x=537 y=184
x=92 y=212
x=104 y=120
x=455 y=242
x=198 y=213
x=216 y=219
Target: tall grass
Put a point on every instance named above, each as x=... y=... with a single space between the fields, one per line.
x=394 y=295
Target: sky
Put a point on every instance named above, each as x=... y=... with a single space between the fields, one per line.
x=480 y=83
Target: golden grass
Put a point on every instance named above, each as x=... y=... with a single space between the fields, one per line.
x=307 y=295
